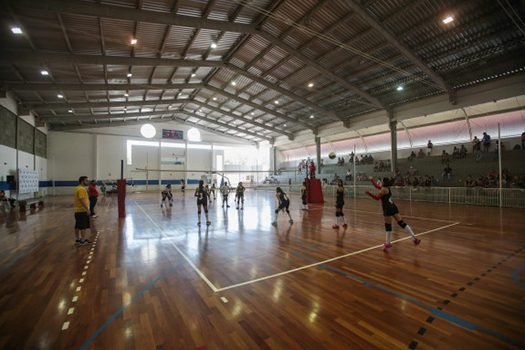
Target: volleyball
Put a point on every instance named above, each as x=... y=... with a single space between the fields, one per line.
x=331 y=155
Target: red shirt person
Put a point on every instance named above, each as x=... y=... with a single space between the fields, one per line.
x=93 y=198
x=312 y=170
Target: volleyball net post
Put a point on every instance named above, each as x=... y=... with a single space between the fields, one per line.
x=121 y=192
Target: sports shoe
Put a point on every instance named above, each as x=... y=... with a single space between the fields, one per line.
x=227 y=206
x=78 y=242
x=416 y=241
x=86 y=242
x=199 y=223
x=290 y=221
x=386 y=246
x=335 y=227
x=242 y=208
x=171 y=205
x=274 y=223
x=94 y=216
x=345 y=226
x=237 y=208
x=208 y=223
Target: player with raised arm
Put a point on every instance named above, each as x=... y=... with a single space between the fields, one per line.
x=202 y=200
x=390 y=210
x=239 y=195
x=166 y=194
x=284 y=204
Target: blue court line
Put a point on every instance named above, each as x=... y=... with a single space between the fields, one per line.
x=119 y=311
x=436 y=312
x=515 y=276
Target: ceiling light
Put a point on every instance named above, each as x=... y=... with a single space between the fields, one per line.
x=311 y=85
x=60 y=96
x=130 y=75
x=213 y=45
x=194 y=135
x=44 y=72
x=16 y=30
x=284 y=125
x=193 y=74
x=252 y=113
x=448 y=19
x=133 y=41
x=400 y=88
x=148 y=131
x=276 y=102
x=125 y=108
x=234 y=83
x=126 y=95
x=215 y=98
x=70 y=111
x=311 y=117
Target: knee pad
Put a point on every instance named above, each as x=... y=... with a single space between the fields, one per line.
x=287 y=211
x=199 y=212
x=341 y=214
x=206 y=211
x=388 y=227
x=276 y=211
x=337 y=214
x=402 y=223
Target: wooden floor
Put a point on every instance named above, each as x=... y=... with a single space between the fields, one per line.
x=155 y=280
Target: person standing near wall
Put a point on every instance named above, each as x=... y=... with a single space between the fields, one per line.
x=81 y=212
x=93 y=198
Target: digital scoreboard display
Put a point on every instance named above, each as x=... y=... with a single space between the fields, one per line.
x=172 y=134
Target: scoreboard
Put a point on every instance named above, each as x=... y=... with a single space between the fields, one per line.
x=172 y=134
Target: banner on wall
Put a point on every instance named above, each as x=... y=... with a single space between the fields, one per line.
x=27 y=181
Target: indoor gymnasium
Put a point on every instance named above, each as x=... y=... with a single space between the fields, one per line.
x=262 y=174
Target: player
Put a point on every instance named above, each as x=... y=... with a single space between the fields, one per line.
x=207 y=189
x=284 y=204
x=202 y=200
x=225 y=190
x=339 y=203
x=166 y=194
x=183 y=185
x=389 y=210
x=212 y=191
x=239 y=195
x=304 y=196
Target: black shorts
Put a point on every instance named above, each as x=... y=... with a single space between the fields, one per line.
x=339 y=205
x=81 y=220
x=284 y=205
x=304 y=200
x=203 y=202
x=390 y=210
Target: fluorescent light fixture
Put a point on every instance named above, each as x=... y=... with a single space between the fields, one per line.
x=194 y=135
x=70 y=111
x=193 y=74
x=133 y=41
x=311 y=117
x=130 y=75
x=311 y=85
x=234 y=83
x=44 y=72
x=60 y=96
x=400 y=88
x=284 y=125
x=148 y=131
x=16 y=30
x=213 y=45
x=215 y=98
x=252 y=113
x=448 y=19
x=126 y=95
x=276 y=102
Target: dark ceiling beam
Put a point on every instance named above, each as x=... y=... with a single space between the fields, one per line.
x=74 y=105
x=24 y=58
x=372 y=22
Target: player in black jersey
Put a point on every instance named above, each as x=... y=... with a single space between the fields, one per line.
x=339 y=203
x=166 y=194
x=239 y=195
x=284 y=204
x=389 y=210
x=202 y=200
x=304 y=196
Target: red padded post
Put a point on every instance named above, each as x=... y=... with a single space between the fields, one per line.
x=121 y=192
x=315 y=191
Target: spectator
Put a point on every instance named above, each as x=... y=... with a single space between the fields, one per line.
x=421 y=154
x=447 y=173
x=486 y=142
x=476 y=144
x=523 y=140
x=415 y=182
x=469 y=182
x=370 y=159
x=479 y=182
x=428 y=181
x=381 y=165
x=455 y=153
x=430 y=145
x=376 y=167
x=412 y=171
x=352 y=157
x=312 y=170
x=445 y=158
x=493 y=173
x=516 y=182
x=5 y=198
x=399 y=181
x=81 y=212
x=411 y=156
x=463 y=152
x=103 y=188
x=407 y=181
x=493 y=181
x=348 y=175
x=93 y=198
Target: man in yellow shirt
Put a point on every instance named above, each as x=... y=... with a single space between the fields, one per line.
x=81 y=211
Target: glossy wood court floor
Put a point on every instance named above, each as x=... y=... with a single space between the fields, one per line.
x=155 y=280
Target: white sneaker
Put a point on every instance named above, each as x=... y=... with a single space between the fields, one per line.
x=94 y=216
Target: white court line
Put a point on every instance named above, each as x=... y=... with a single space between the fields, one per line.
x=65 y=326
x=71 y=310
x=199 y=272
x=224 y=300
x=329 y=260
x=75 y=298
